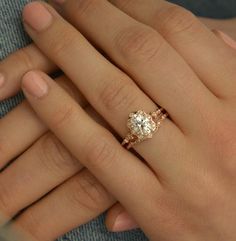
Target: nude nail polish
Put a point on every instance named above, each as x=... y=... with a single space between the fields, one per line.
x=37 y=16
x=34 y=85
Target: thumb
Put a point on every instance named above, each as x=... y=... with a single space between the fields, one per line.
x=118 y=220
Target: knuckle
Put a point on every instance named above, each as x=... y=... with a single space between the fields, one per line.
x=117 y=95
x=89 y=193
x=55 y=156
x=175 y=19
x=101 y=151
x=82 y=7
x=137 y=43
x=63 y=116
x=23 y=57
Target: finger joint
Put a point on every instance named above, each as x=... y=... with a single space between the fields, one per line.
x=174 y=20
x=55 y=157
x=138 y=44
x=89 y=193
x=63 y=116
x=118 y=95
x=101 y=151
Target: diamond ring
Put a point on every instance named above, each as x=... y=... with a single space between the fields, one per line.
x=142 y=126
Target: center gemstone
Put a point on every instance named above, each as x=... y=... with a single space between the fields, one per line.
x=141 y=124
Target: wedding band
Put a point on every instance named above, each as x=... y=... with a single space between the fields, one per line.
x=142 y=126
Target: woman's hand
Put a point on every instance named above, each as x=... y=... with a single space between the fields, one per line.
x=187 y=188
x=24 y=60
x=42 y=163
x=56 y=193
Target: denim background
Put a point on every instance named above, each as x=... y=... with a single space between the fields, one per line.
x=12 y=37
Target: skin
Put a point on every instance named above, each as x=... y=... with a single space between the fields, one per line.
x=39 y=211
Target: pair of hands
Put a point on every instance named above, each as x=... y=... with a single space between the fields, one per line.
x=163 y=206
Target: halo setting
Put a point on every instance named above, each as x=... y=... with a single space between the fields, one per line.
x=142 y=126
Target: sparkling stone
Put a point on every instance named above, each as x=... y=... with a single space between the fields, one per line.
x=141 y=124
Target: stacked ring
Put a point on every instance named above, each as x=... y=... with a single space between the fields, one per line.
x=142 y=126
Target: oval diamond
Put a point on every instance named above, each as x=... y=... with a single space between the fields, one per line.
x=141 y=124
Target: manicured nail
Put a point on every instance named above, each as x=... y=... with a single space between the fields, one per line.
x=37 y=16
x=124 y=222
x=226 y=38
x=34 y=85
x=2 y=80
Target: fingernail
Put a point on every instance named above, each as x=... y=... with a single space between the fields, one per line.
x=124 y=222
x=226 y=38
x=2 y=80
x=34 y=85
x=37 y=16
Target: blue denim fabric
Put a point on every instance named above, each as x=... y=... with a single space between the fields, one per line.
x=12 y=37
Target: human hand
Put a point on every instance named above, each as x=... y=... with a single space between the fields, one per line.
x=56 y=193
x=26 y=138
x=157 y=195
x=46 y=66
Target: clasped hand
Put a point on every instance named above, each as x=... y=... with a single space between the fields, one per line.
x=179 y=185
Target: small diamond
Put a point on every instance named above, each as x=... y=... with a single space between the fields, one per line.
x=141 y=124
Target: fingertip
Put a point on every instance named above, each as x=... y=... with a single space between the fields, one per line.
x=118 y=220
x=35 y=84
x=123 y=222
x=37 y=16
x=111 y=215
x=225 y=37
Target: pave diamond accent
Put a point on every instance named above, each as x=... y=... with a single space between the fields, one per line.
x=141 y=124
